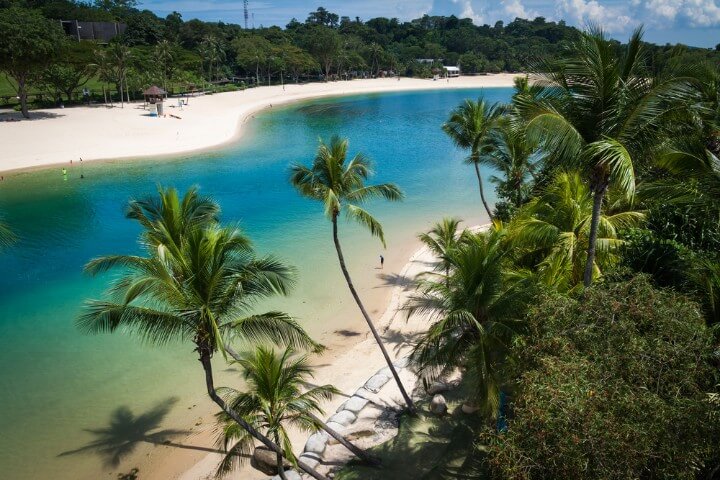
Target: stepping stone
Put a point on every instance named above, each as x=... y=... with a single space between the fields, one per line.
x=376 y=382
x=290 y=475
x=362 y=392
x=355 y=404
x=312 y=459
x=402 y=363
x=344 y=418
x=385 y=371
x=316 y=443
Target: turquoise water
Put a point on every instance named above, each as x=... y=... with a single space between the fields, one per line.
x=55 y=383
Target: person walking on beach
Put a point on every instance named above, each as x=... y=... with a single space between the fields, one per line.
x=382 y=261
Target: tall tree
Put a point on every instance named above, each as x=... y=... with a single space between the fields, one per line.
x=29 y=43
x=274 y=399
x=196 y=282
x=442 y=239
x=324 y=44
x=600 y=111
x=339 y=184
x=470 y=127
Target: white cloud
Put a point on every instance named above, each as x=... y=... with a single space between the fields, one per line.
x=514 y=9
x=697 y=13
x=468 y=11
x=611 y=18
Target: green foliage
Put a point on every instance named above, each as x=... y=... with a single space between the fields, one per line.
x=613 y=385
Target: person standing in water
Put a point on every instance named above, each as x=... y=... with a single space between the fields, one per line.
x=382 y=261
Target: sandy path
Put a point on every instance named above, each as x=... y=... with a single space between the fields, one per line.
x=59 y=135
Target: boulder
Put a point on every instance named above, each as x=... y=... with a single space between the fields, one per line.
x=385 y=371
x=468 y=408
x=362 y=392
x=265 y=461
x=335 y=426
x=290 y=475
x=355 y=404
x=316 y=443
x=438 y=405
x=376 y=382
x=344 y=418
x=402 y=363
x=311 y=459
x=442 y=385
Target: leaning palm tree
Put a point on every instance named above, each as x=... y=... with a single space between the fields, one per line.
x=197 y=282
x=600 y=111
x=444 y=237
x=474 y=315
x=550 y=233
x=469 y=127
x=274 y=399
x=340 y=185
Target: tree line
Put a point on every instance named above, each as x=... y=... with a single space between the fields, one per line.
x=175 y=53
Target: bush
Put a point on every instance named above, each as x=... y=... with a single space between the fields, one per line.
x=614 y=385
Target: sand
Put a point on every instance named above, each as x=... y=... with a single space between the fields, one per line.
x=57 y=136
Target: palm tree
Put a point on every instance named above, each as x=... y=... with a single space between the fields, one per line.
x=474 y=314
x=340 y=185
x=600 y=111
x=469 y=127
x=514 y=156
x=274 y=400
x=550 y=233
x=196 y=282
x=444 y=237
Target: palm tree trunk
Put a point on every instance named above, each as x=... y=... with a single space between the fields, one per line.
x=280 y=463
x=209 y=382
x=358 y=452
x=406 y=397
x=594 y=223
x=482 y=191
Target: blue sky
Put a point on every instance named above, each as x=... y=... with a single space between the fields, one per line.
x=693 y=22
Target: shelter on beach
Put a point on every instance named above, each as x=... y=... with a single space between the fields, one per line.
x=452 y=71
x=154 y=97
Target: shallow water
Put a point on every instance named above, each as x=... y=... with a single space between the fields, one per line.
x=56 y=383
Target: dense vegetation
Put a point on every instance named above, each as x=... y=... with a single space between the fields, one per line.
x=180 y=55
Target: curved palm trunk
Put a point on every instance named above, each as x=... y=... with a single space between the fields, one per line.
x=482 y=192
x=594 y=223
x=280 y=463
x=209 y=382
x=341 y=259
x=358 y=452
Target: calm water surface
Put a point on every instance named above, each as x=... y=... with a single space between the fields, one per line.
x=60 y=390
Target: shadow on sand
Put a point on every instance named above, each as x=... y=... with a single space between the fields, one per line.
x=127 y=430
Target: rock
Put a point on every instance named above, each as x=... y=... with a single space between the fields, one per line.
x=316 y=443
x=438 y=405
x=290 y=475
x=358 y=434
x=335 y=426
x=355 y=404
x=311 y=459
x=265 y=461
x=440 y=386
x=344 y=418
x=402 y=363
x=467 y=408
x=376 y=382
x=385 y=371
x=362 y=392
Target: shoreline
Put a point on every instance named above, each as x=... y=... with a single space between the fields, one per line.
x=208 y=122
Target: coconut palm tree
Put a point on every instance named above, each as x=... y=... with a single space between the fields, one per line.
x=197 y=282
x=470 y=126
x=444 y=237
x=600 y=112
x=550 y=233
x=339 y=184
x=474 y=314
x=274 y=400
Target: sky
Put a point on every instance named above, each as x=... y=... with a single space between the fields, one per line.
x=692 y=22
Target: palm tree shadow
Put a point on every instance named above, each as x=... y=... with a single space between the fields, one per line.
x=126 y=431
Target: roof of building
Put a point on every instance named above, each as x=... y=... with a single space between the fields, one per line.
x=154 y=91
x=451 y=69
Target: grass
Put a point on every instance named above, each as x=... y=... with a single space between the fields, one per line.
x=428 y=447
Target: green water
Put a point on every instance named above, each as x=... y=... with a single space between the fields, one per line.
x=56 y=384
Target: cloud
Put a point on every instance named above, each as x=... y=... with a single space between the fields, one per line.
x=612 y=18
x=515 y=9
x=469 y=12
x=696 y=13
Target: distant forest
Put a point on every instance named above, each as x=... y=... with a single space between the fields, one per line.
x=173 y=52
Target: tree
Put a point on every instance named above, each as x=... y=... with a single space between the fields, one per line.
x=474 y=312
x=340 y=185
x=442 y=239
x=615 y=384
x=195 y=283
x=323 y=17
x=252 y=51
x=274 y=399
x=551 y=232
x=470 y=126
x=29 y=43
x=73 y=69
x=599 y=112
x=213 y=53
x=113 y=64
x=324 y=44
x=164 y=53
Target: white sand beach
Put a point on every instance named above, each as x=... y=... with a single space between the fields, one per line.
x=58 y=136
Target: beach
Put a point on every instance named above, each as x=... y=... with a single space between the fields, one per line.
x=208 y=122
x=58 y=136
